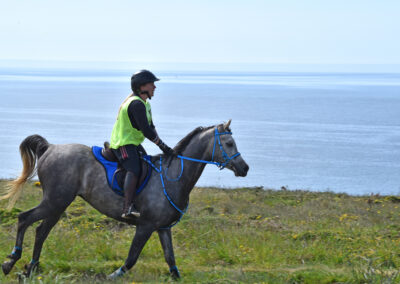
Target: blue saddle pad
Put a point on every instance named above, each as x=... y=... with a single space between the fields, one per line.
x=111 y=167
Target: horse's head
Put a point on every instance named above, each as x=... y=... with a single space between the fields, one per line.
x=225 y=151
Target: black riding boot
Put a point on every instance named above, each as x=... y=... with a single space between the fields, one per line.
x=130 y=191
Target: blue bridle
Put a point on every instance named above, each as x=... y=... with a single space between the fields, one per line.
x=225 y=156
x=221 y=166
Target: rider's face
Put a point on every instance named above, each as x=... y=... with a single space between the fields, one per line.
x=149 y=87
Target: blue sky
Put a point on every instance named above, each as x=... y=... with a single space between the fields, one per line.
x=219 y=31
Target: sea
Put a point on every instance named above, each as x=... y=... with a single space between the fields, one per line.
x=317 y=131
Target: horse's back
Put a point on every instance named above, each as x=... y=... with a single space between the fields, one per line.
x=65 y=156
x=67 y=164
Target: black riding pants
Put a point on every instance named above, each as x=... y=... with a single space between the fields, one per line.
x=128 y=157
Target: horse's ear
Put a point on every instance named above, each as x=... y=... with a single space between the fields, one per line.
x=226 y=126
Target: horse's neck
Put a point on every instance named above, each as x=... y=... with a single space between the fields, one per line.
x=198 y=148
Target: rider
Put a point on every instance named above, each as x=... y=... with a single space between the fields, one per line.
x=134 y=123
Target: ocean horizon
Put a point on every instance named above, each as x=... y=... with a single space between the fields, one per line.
x=302 y=130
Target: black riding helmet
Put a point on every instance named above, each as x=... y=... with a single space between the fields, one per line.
x=141 y=78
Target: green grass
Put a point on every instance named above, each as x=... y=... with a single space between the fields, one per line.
x=239 y=235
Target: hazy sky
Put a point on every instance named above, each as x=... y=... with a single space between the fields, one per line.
x=219 y=31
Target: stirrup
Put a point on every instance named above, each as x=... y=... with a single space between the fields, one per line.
x=132 y=212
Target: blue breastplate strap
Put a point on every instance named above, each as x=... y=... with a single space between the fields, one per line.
x=159 y=170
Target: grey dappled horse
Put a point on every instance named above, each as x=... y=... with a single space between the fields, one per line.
x=67 y=171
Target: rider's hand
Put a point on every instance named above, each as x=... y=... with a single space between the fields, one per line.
x=167 y=150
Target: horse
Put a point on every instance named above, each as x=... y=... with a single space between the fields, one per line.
x=68 y=171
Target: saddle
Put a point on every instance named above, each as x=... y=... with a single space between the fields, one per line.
x=108 y=154
x=116 y=173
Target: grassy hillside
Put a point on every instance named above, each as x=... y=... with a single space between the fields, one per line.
x=247 y=235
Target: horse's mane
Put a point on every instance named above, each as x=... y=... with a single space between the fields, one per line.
x=181 y=146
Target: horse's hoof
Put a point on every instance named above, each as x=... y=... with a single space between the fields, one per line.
x=175 y=273
x=116 y=274
x=7 y=266
x=30 y=268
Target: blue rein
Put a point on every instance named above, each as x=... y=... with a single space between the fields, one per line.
x=221 y=166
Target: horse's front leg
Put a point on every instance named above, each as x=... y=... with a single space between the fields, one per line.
x=166 y=243
x=143 y=233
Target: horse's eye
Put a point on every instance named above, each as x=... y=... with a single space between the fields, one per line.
x=229 y=144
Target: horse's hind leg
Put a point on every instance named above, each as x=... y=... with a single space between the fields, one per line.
x=42 y=231
x=25 y=219
x=46 y=209
x=166 y=243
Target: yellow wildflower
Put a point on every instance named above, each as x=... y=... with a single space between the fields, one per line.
x=343 y=217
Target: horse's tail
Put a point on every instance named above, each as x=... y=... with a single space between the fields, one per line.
x=31 y=149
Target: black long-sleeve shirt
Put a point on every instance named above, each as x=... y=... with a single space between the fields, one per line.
x=138 y=118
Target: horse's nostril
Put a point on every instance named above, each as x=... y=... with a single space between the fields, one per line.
x=246 y=168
